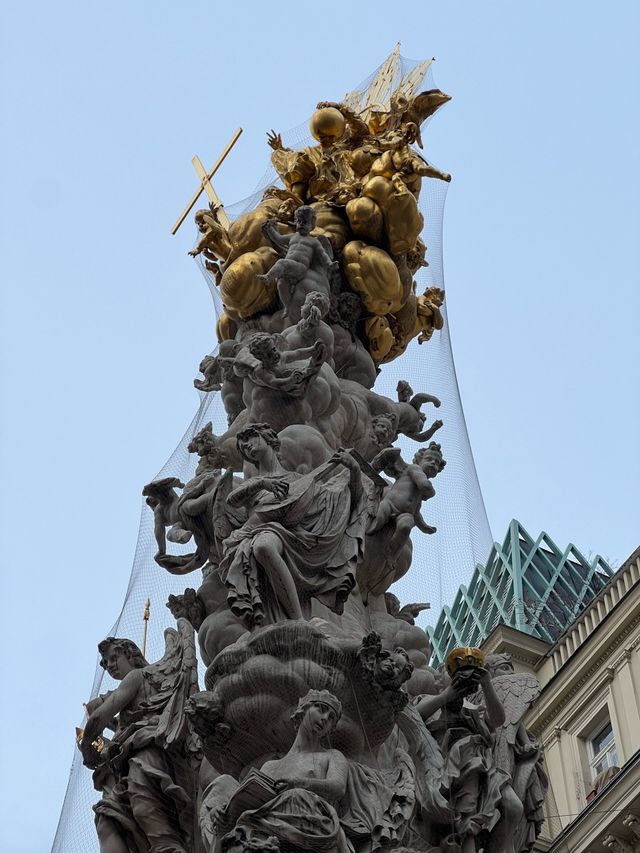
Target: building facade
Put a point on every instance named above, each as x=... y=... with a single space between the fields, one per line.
x=588 y=718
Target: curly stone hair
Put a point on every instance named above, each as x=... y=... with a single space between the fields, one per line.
x=127 y=647
x=434 y=450
x=266 y=431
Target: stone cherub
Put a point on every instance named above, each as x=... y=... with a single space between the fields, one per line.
x=218 y=375
x=311 y=326
x=201 y=511
x=147 y=772
x=352 y=360
x=385 y=671
x=401 y=502
x=411 y=425
x=305 y=264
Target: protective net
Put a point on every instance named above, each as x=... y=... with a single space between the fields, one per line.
x=440 y=562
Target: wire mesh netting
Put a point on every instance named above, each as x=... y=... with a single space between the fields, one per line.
x=440 y=563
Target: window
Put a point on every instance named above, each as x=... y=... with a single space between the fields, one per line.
x=602 y=750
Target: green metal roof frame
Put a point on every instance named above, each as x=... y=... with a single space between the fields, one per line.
x=528 y=584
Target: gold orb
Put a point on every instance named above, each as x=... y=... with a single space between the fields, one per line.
x=327 y=125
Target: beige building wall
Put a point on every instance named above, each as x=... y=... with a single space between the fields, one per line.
x=590 y=679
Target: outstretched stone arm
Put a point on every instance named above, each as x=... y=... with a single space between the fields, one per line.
x=428 y=433
x=115 y=702
x=419 y=400
x=317 y=352
x=355 y=474
x=280 y=242
x=269 y=380
x=245 y=493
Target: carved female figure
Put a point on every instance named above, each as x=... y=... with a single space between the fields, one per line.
x=303 y=536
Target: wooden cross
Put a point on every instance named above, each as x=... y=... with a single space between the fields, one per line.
x=207 y=186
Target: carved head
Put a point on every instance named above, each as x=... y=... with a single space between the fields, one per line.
x=206 y=715
x=305 y=219
x=119 y=656
x=388 y=669
x=345 y=310
x=187 y=606
x=430 y=459
x=392 y=603
x=392 y=669
x=203 y=441
x=254 y=438
x=319 y=711
x=384 y=428
x=263 y=347
x=499 y=664
x=316 y=302
x=204 y=219
x=405 y=391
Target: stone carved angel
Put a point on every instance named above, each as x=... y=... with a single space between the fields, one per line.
x=201 y=512
x=388 y=546
x=401 y=502
x=218 y=375
x=147 y=772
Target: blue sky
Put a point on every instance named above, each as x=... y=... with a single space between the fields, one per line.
x=104 y=317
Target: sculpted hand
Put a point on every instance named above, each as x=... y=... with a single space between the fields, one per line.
x=462 y=684
x=482 y=675
x=92 y=704
x=344 y=458
x=275 y=141
x=319 y=352
x=278 y=486
x=324 y=104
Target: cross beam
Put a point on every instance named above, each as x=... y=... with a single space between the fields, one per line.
x=206 y=185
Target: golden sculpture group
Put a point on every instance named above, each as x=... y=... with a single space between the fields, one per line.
x=363 y=179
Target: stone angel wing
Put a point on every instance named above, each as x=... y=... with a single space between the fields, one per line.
x=172 y=680
x=517 y=692
x=387 y=456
